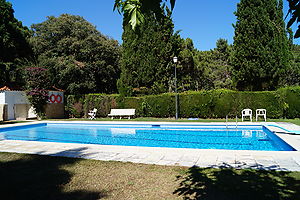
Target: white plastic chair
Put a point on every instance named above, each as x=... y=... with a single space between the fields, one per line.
x=92 y=114
x=247 y=113
x=261 y=112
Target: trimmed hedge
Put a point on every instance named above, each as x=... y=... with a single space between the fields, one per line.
x=284 y=102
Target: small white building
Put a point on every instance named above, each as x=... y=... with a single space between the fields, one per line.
x=14 y=105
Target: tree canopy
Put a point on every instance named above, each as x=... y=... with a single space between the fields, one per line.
x=294 y=10
x=134 y=11
x=79 y=58
x=261 y=47
x=215 y=67
x=14 y=47
x=146 y=55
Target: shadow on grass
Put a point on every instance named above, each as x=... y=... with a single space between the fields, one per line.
x=231 y=184
x=11 y=122
x=40 y=177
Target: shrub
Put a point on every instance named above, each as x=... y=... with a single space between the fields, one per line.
x=38 y=99
x=74 y=106
x=290 y=98
x=36 y=83
x=203 y=104
x=102 y=102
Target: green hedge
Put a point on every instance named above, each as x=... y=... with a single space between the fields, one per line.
x=284 y=102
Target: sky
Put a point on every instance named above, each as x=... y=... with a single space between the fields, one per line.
x=204 y=21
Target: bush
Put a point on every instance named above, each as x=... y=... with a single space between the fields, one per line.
x=37 y=83
x=203 y=104
x=74 y=106
x=290 y=98
x=219 y=103
x=102 y=102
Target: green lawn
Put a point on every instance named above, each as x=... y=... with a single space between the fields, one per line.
x=149 y=119
x=57 y=178
x=11 y=122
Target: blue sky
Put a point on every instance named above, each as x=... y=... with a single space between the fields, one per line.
x=204 y=21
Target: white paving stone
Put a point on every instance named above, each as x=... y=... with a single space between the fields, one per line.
x=207 y=161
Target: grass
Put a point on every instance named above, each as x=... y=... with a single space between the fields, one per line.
x=149 y=119
x=11 y=122
x=48 y=178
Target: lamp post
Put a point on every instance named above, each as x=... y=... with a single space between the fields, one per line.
x=175 y=60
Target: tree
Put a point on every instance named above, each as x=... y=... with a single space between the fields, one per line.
x=214 y=68
x=294 y=10
x=188 y=76
x=79 y=58
x=261 y=47
x=147 y=55
x=293 y=73
x=37 y=83
x=221 y=69
x=134 y=11
x=14 y=47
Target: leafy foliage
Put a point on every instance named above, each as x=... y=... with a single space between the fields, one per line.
x=79 y=58
x=294 y=10
x=283 y=102
x=135 y=11
x=147 y=55
x=215 y=67
x=14 y=48
x=37 y=82
x=261 y=47
x=292 y=76
x=188 y=75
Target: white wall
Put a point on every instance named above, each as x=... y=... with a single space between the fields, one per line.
x=16 y=97
x=19 y=97
x=2 y=97
x=12 y=98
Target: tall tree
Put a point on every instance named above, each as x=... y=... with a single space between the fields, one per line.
x=261 y=47
x=188 y=74
x=14 y=47
x=215 y=67
x=134 y=10
x=294 y=10
x=147 y=55
x=293 y=73
x=79 y=58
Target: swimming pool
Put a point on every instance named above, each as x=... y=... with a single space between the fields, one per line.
x=147 y=135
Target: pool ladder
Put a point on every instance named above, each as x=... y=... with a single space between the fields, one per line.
x=236 y=122
x=226 y=122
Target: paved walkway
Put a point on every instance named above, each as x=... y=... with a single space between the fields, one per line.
x=267 y=160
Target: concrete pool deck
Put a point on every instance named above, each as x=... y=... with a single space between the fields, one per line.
x=266 y=160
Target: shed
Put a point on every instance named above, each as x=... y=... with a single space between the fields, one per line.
x=14 y=105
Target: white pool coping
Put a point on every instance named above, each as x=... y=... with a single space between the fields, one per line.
x=268 y=160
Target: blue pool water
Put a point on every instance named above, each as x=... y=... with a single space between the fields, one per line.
x=175 y=136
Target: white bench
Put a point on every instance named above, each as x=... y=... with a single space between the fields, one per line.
x=121 y=112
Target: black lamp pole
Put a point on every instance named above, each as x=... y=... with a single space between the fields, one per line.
x=175 y=60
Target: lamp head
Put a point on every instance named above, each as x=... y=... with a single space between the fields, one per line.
x=175 y=59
